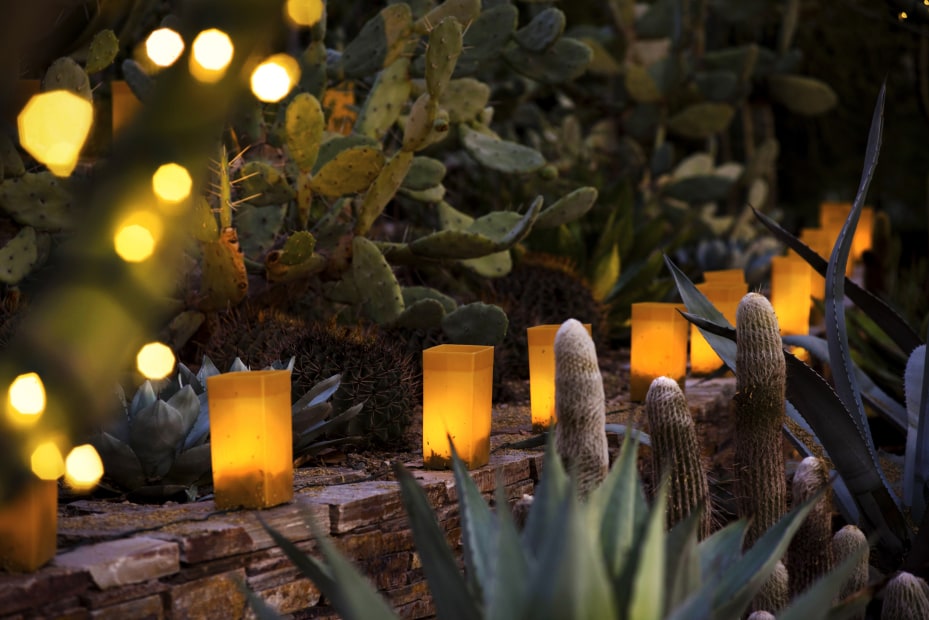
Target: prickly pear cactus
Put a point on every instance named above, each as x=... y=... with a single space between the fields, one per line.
x=580 y=407
x=761 y=379
x=675 y=451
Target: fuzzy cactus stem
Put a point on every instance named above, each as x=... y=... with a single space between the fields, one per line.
x=675 y=451
x=580 y=407
x=809 y=556
x=761 y=379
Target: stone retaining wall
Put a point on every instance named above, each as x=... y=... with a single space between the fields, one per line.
x=188 y=560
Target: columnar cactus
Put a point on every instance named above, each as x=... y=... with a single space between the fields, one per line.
x=810 y=554
x=761 y=378
x=675 y=451
x=905 y=599
x=847 y=541
x=774 y=594
x=580 y=407
x=761 y=615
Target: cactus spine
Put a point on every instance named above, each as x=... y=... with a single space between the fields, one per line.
x=847 y=541
x=675 y=451
x=905 y=599
x=580 y=407
x=761 y=378
x=809 y=556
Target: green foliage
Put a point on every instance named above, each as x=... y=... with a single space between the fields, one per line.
x=608 y=557
x=159 y=446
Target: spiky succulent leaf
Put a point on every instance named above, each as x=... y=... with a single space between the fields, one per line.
x=478 y=527
x=350 y=592
x=453 y=598
x=319 y=393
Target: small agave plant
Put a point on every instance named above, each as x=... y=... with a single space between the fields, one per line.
x=159 y=447
x=605 y=558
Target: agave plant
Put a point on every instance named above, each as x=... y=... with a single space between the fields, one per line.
x=832 y=416
x=160 y=446
x=604 y=558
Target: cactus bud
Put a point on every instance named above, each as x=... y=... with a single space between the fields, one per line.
x=580 y=407
x=905 y=598
x=675 y=451
x=809 y=556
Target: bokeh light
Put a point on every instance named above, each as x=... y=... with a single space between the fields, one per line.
x=164 y=46
x=26 y=399
x=53 y=127
x=172 y=183
x=304 y=12
x=211 y=54
x=137 y=236
x=155 y=360
x=47 y=462
x=83 y=468
x=275 y=77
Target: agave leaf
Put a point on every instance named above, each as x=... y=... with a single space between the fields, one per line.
x=738 y=586
x=155 y=435
x=238 y=366
x=453 y=599
x=682 y=576
x=840 y=359
x=309 y=447
x=873 y=394
x=320 y=392
x=260 y=608
x=186 y=376
x=648 y=585
x=544 y=511
x=622 y=430
x=309 y=435
x=620 y=509
x=120 y=463
x=187 y=403
x=818 y=598
x=698 y=304
x=883 y=315
x=918 y=475
x=200 y=431
x=191 y=467
x=207 y=369
x=507 y=594
x=308 y=417
x=569 y=578
x=143 y=397
x=350 y=592
x=478 y=528
x=719 y=553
